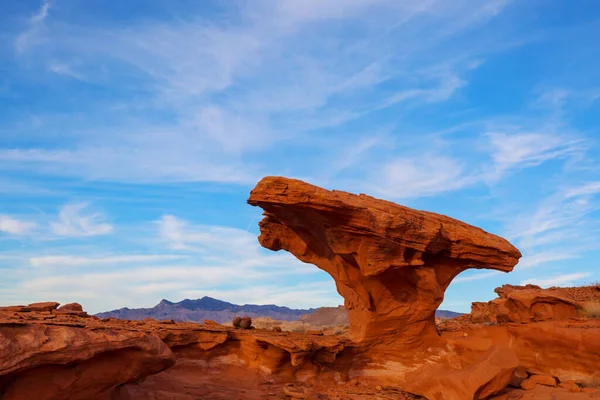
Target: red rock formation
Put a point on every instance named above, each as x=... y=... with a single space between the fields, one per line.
x=391 y=263
x=568 y=350
x=46 y=354
x=531 y=303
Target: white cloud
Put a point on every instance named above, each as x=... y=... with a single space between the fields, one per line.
x=590 y=188
x=234 y=90
x=527 y=149
x=72 y=222
x=70 y=261
x=421 y=176
x=30 y=36
x=558 y=280
x=542 y=257
x=181 y=235
x=15 y=226
x=478 y=276
x=67 y=70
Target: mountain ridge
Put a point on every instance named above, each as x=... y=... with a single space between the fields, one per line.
x=197 y=310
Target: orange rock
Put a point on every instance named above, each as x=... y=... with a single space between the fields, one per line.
x=71 y=307
x=40 y=307
x=311 y=332
x=531 y=303
x=518 y=376
x=572 y=386
x=211 y=322
x=391 y=263
x=486 y=376
x=528 y=384
x=545 y=380
x=44 y=361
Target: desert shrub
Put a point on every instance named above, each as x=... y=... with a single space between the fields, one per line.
x=246 y=322
x=237 y=321
x=592 y=309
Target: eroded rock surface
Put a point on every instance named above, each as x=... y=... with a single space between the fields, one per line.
x=391 y=263
x=531 y=303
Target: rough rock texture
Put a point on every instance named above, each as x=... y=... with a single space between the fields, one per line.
x=531 y=303
x=391 y=263
x=46 y=354
x=55 y=355
x=485 y=377
x=568 y=350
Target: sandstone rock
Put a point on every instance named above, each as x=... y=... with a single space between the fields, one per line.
x=518 y=376
x=246 y=323
x=295 y=392
x=47 y=362
x=40 y=307
x=531 y=303
x=391 y=263
x=486 y=376
x=71 y=307
x=528 y=384
x=545 y=380
x=210 y=322
x=572 y=386
x=311 y=332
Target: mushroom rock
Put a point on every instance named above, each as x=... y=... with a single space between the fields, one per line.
x=391 y=263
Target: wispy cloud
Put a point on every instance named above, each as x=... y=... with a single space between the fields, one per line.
x=423 y=176
x=72 y=221
x=477 y=276
x=31 y=35
x=250 y=96
x=210 y=260
x=527 y=149
x=590 y=188
x=558 y=280
x=13 y=226
x=72 y=261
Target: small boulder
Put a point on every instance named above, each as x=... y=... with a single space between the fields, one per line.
x=545 y=380
x=277 y=329
x=237 y=321
x=528 y=384
x=246 y=323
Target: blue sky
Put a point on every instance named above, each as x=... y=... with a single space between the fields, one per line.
x=131 y=135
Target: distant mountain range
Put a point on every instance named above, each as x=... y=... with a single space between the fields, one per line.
x=222 y=311
x=206 y=308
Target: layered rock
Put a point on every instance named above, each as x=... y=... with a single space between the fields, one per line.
x=51 y=354
x=391 y=263
x=531 y=303
x=46 y=354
